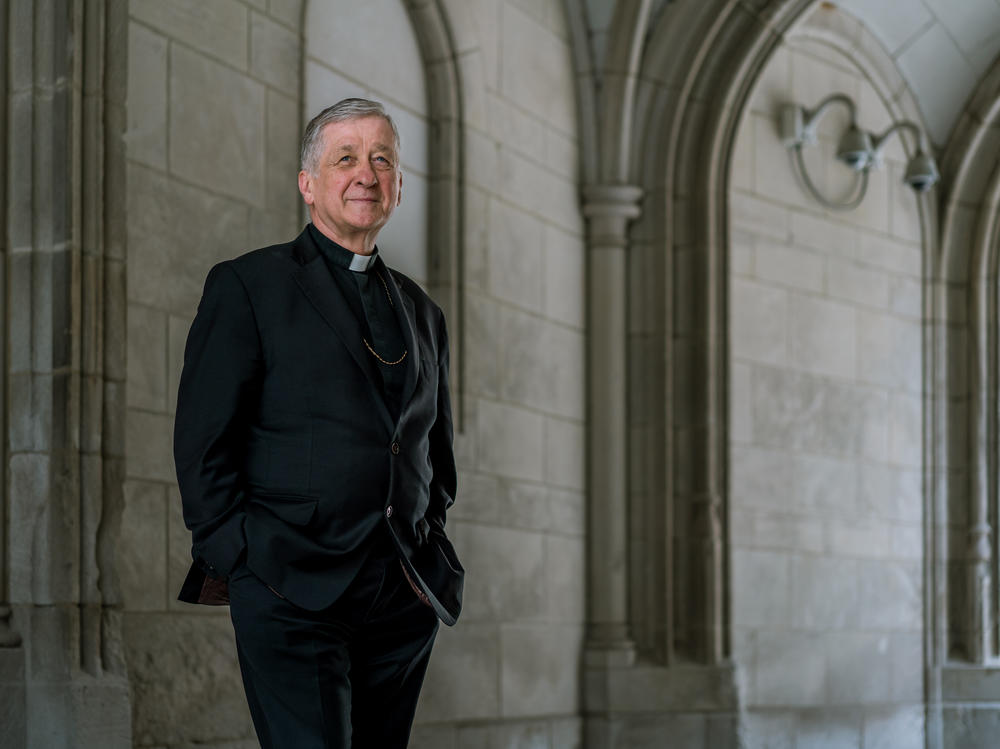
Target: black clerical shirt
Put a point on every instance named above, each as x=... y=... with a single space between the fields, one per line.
x=367 y=293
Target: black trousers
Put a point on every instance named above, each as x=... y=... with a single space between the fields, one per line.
x=346 y=677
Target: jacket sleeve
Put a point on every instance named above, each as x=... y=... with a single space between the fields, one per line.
x=218 y=396
x=444 y=480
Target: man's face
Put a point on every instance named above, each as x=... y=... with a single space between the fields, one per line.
x=357 y=184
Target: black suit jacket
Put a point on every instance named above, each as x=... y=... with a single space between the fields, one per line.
x=284 y=446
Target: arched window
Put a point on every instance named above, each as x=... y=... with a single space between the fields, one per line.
x=342 y=61
x=413 y=72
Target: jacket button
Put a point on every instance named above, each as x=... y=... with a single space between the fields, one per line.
x=388 y=511
x=395 y=448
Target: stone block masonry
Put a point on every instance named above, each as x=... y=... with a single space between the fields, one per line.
x=826 y=383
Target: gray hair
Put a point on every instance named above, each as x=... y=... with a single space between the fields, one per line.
x=346 y=109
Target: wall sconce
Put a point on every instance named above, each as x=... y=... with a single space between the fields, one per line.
x=858 y=149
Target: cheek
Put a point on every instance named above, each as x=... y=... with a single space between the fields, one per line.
x=392 y=193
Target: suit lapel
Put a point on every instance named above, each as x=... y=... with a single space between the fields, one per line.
x=407 y=323
x=316 y=282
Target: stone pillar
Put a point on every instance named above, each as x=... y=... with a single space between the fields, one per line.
x=708 y=615
x=64 y=198
x=12 y=706
x=980 y=603
x=608 y=209
x=980 y=597
x=628 y=701
x=978 y=552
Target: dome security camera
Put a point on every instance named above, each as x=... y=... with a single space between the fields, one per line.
x=855 y=148
x=856 y=160
x=921 y=172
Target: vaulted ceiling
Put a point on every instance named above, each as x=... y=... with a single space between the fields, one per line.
x=942 y=48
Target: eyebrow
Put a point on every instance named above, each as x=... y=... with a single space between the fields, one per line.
x=380 y=147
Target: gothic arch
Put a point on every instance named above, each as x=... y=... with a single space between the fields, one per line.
x=606 y=111
x=697 y=67
x=691 y=80
x=432 y=29
x=690 y=117
x=965 y=405
x=699 y=75
x=445 y=176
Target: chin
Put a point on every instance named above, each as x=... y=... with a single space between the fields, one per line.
x=369 y=222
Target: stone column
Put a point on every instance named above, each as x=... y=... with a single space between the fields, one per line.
x=12 y=733
x=8 y=638
x=978 y=550
x=980 y=583
x=608 y=209
x=64 y=321
x=983 y=463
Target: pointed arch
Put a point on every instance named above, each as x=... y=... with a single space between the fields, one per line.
x=697 y=76
x=699 y=64
x=445 y=166
x=445 y=175
x=606 y=88
x=966 y=404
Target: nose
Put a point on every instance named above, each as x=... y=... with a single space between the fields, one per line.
x=365 y=175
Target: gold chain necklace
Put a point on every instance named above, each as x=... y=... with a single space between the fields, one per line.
x=368 y=345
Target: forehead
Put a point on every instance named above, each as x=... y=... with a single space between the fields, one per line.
x=359 y=132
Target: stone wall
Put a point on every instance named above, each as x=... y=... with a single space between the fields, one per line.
x=61 y=675
x=826 y=426
x=214 y=119
x=212 y=140
x=822 y=605
x=508 y=674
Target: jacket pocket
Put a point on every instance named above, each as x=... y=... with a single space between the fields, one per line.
x=294 y=509
x=446 y=550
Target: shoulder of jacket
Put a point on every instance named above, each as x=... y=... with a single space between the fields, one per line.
x=265 y=263
x=265 y=257
x=412 y=288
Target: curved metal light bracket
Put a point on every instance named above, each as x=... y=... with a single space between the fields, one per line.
x=857 y=148
x=879 y=141
x=813 y=117
x=849 y=203
x=798 y=128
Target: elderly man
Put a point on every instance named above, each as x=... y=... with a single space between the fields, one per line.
x=313 y=445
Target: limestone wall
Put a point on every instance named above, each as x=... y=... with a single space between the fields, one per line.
x=509 y=671
x=825 y=438
x=213 y=128
x=214 y=119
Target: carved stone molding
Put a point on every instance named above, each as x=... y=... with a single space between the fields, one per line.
x=445 y=225
x=608 y=209
x=64 y=369
x=966 y=341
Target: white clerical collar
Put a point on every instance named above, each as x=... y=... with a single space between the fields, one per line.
x=361 y=263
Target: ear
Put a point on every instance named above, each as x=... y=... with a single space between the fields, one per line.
x=399 y=188
x=305 y=187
